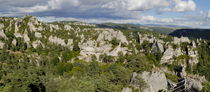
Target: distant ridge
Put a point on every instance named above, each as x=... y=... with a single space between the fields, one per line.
x=138 y=27
x=192 y=33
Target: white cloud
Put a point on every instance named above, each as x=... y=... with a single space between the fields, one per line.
x=181 y=6
x=209 y=14
x=142 y=20
x=117 y=11
x=51 y=5
x=135 y=5
x=201 y=12
x=37 y=8
x=156 y=20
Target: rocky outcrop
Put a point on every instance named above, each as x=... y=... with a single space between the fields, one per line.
x=1 y=45
x=25 y=37
x=127 y=90
x=38 y=35
x=2 y=34
x=102 y=44
x=68 y=27
x=194 y=82
x=181 y=40
x=36 y=43
x=152 y=79
x=169 y=54
x=31 y=26
x=90 y=48
x=193 y=54
x=157 y=46
x=14 y=42
x=18 y=35
x=116 y=51
x=1 y=26
x=146 y=37
x=59 y=41
x=109 y=34
x=53 y=27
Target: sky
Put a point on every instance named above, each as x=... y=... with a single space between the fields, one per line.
x=191 y=13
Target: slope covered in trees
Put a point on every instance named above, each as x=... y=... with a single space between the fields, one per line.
x=192 y=33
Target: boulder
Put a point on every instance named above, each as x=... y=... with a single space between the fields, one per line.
x=1 y=45
x=2 y=34
x=194 y=82
x=36 y=43
x=193 y=56
x=67 y=27
x=31 y=26
x=127 y=90
x=155 y=80
x=1 y=26
x=185 y=39
x=109 y=34
x=38 y=35
x=169 y=54
x=25 y=37
x=157 y=46
x=14 y=42
x=56 y=40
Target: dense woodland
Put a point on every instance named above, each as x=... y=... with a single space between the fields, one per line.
x=192 y=33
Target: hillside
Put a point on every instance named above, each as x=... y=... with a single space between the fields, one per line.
x=80 y=57
x=192 y=33
x=133 y=27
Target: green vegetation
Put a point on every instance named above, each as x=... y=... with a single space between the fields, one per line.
x=115 y=42
x=206 y=87
x=173 y=78
x=203 y=67
x=51 y=67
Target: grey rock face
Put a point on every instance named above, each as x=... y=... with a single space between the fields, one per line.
x=1 y=26
x=36 y=43
x=38 y=35
x=194 y=82
x=90 y=48
x=155 y=80
x=146 y=37
x=157 y=46
x=18 y=35
x=59 y=41
x=25 y=37
x=1 y=44
x=193 y=56
x=14 y=42
x=31 y=26
x=101 y=46
x=180 y=40
x=109 y=34
x=2 y=34
x=67 y=27
x=53 y=27
x=127 y=90
x=169 y=54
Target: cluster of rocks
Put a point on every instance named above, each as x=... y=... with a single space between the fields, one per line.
x=101 y=45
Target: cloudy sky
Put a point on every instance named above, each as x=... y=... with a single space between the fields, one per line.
x=193 y=13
